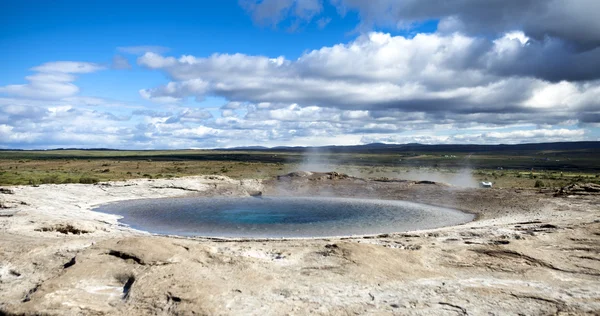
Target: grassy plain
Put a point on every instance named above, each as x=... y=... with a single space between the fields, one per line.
x=505 y=169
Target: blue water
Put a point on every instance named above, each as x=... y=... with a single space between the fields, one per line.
x=275 y=217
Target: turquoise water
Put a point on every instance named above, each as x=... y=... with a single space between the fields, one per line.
x=275 y=217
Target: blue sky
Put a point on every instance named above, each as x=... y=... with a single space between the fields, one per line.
x=204 y=74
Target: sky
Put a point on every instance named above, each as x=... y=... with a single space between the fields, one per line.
x=217 y=74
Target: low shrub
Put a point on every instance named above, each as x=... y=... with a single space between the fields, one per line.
x=50 y=179
x=539 y=184
x=88 y=180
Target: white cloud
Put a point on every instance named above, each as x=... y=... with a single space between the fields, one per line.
x=232 y=106
x=53 y=80
x=227 y=113
x=518 y=35
x=43 y=86
x=564 y=134
x=446 y=87
x=563 y=95
x=60 y=124
x=445 y=76
x=560 y=19
x=494 y=137
x=70 y=67
x=175 y=91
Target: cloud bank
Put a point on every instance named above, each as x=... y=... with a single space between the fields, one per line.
x=573 y=21
x=493 y=72
x=443 y=79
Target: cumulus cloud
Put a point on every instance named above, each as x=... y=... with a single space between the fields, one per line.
x=175 y=91
x=27 y=124
x=449 y=77
x=550 y=59
x=189 y=115
x=572 y=21
x=492 y=137
x=232 y=106
x=564 y=34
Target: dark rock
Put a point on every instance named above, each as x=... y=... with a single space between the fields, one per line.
x=126 y=256
x=6 y=191
x=69 y=264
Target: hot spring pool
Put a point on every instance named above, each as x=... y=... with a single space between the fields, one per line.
x=275 y=217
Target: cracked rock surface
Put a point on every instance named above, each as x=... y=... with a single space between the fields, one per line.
x=528 y=253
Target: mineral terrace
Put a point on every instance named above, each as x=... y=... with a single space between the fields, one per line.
x=528 y=253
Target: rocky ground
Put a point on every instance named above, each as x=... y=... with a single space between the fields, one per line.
x=528 y=253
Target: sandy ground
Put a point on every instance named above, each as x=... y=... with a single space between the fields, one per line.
x=527 y=254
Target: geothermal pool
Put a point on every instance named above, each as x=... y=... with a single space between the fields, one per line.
x=279 y=217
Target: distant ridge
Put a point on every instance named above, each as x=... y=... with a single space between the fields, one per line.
x=383 y=148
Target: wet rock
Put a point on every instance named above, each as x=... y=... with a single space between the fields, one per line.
x=386 y=179
x=6 y=191
x=459 y=309
x=146 y=252
x=34 y=289
x=70 y=263
x=127 y=280
x=335 y=175
x=297 y=174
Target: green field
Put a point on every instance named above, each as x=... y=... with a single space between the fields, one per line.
x=505 y=169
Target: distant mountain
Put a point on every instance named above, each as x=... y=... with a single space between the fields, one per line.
x=94 y=149
x=400 y=148
x=246 y=148
x=459 y=148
